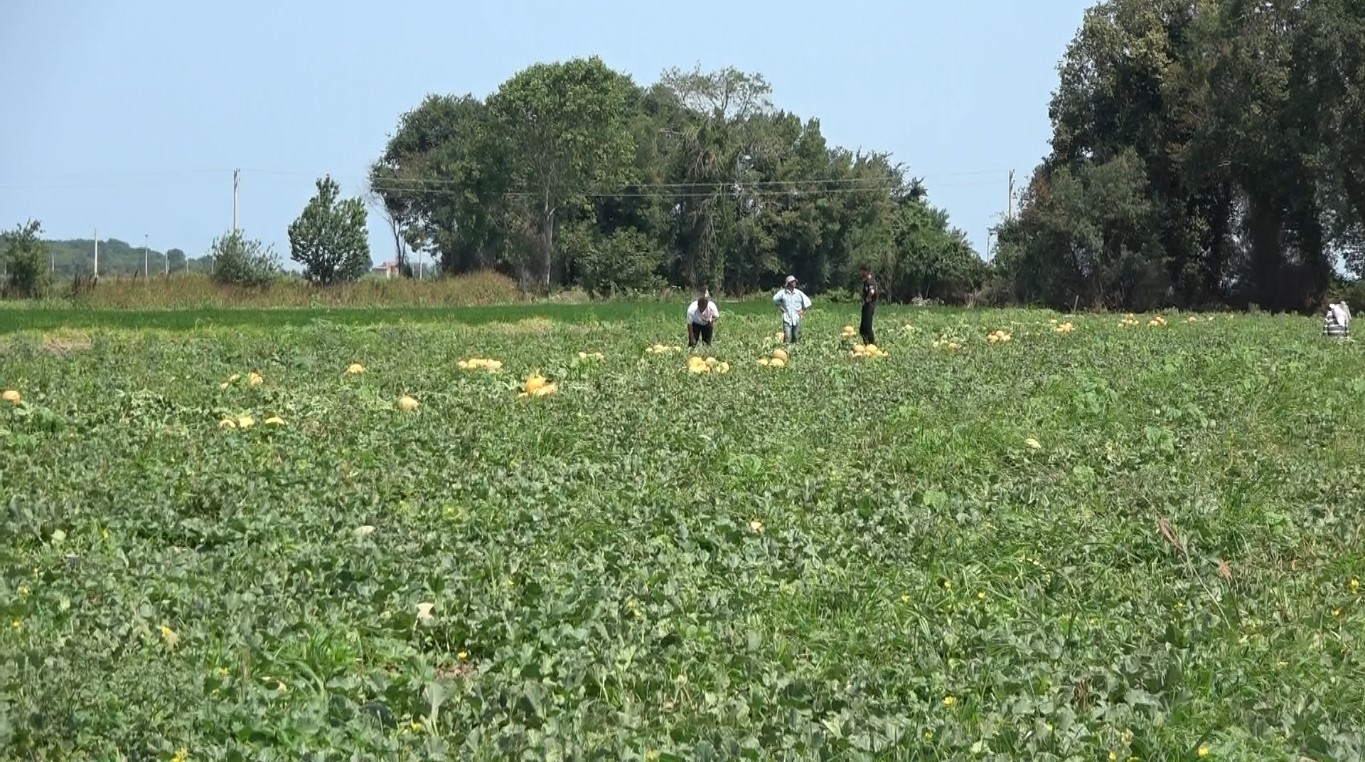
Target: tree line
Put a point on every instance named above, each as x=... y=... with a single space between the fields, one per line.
x=66 y=258
x=571 y=174
x=1204 y=152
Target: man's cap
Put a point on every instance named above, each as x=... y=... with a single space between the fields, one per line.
x=791 y=279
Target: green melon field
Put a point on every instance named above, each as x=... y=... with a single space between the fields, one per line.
x=1135 y=539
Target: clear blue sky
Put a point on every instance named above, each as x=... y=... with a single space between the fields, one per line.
x=130 y=116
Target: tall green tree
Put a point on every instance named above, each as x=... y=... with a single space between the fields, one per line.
x=1238 y=114
x=329 y=238
x=1088 y=239
x=1329 y=71
x=564 y=130
x=27 y=274
x=717 y=140
x=443 y=179
x=1125 y=90
x=1267 y=135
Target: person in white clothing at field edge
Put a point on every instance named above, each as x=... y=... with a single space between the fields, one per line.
x=792 y=302
x=701 y=320
x=1337 y=322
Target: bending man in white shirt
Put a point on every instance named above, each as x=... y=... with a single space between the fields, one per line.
x=701 y=320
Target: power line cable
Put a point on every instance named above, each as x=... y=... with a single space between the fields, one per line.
x=827 y=184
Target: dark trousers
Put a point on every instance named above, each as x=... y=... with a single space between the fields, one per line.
x=865 y=327
x=696 y=331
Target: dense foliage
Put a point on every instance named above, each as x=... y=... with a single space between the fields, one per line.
x=1093 y=537
x=1203 y=152
x=572 y=174
x=26 y=269
x=241 y=261
x=329 y=237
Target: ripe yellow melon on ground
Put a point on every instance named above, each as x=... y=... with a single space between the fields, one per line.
x=534 y=383
x=546 y=390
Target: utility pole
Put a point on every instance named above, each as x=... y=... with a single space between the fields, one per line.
x=235 y=172
x=97 y=253
x=146 y=273
x=1009 y=207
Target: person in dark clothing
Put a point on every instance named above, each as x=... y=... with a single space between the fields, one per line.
x=869 y=306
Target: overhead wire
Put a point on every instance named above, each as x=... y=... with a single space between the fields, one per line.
x=693 y=190
x=452 y=185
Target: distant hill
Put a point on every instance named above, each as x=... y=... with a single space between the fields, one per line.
x=77 y=256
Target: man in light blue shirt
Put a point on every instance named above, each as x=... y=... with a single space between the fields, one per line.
x=792 y=302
